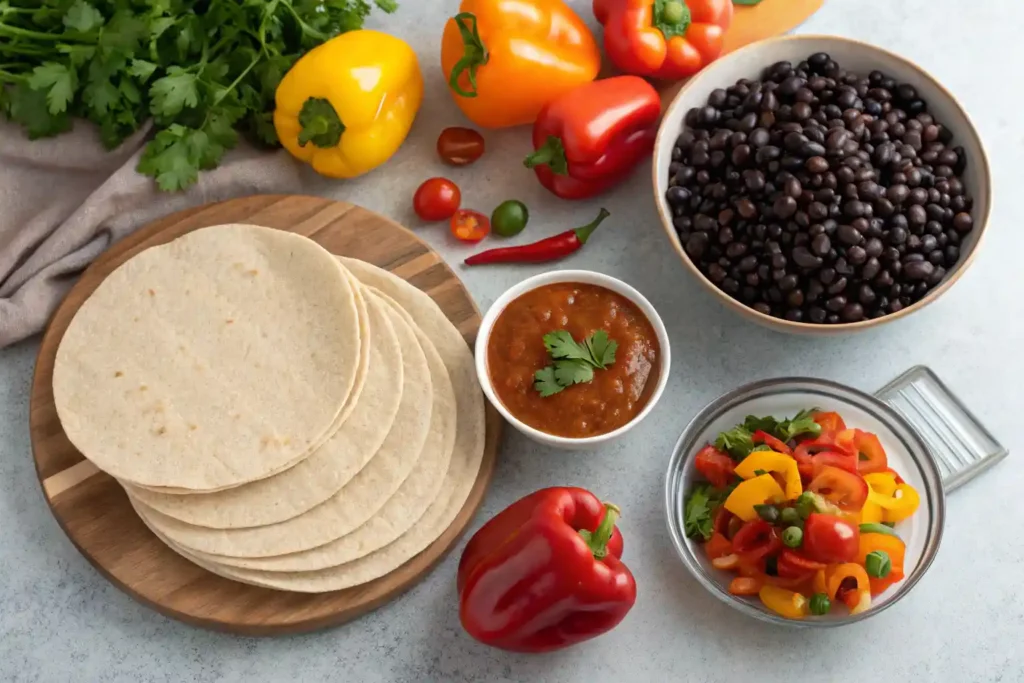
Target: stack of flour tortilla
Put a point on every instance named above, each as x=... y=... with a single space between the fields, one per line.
x=278 y=415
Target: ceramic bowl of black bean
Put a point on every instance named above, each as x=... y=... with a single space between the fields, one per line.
x=820 y=185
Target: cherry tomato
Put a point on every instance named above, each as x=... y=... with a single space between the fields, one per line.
x=830 y=539
x=460 y=146
x=470 y=226
x=436 y=199
x=756 y=539
x=844 y=489
x=715 y=466
x=773 y=443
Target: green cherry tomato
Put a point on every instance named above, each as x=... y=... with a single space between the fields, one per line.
x=509 y=218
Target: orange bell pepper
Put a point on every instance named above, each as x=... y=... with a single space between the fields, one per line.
x=505 y=59
x=894 y=548
x=667 y=39
x=858 y=599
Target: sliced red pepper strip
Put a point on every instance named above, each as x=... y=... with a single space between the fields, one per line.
x=845 y=489
x=775 y=444
x=793 y=565
x=715 y=466
x=831 y=423
x=718 y=546
x=591 y=137
x=871 y=455
x=844 y=461
x=755 y=540
x=545 y=573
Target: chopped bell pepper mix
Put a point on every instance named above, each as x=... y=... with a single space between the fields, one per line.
x=800 y=509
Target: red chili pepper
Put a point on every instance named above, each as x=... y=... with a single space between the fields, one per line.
x=592 y=137
x=545 y=573
x=549 y=249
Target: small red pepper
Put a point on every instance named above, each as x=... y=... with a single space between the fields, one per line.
x=666 y=39
x=592 y=137
x=549 y=249
x=545 y=573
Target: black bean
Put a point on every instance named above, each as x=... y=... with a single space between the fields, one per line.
x=696 y=244
x=962 y=222
x=836 y=303
x=849 y=235
x=805 y=259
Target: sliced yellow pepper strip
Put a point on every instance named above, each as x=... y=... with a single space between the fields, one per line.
x=756 y=491
x=902 y=505
x=788 y=603
x=881 y=486
x=771 y=461
x=871 y=513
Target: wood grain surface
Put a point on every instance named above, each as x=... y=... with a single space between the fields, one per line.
x=93 y=509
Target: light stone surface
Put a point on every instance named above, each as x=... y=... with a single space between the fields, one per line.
x=963 y=623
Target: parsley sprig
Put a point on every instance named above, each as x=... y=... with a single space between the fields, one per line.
x=203 y=70
x=574 y=363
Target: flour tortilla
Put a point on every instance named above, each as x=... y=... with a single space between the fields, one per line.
x=401 y=510
x=211 y=361
x=465 y=465
x=419 y=427
x=329 y=468
x=346 y=410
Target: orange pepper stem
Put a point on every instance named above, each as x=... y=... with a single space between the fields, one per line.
x=551 y=153
x=320 y=123
x=473 y=58
x=599 y=538
x=671 y=17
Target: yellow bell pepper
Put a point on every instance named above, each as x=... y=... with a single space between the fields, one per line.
x=347 y=105
x=789 y=604
x=902 y=505
x=871 y=513
x=770 y=461
x=756 y=491
x=881 y=486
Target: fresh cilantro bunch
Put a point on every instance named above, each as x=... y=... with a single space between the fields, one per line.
x=699 y=509
x=574 y=363
x=738 y=442
x=203 y=70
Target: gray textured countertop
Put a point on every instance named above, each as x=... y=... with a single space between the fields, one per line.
x=60 y=621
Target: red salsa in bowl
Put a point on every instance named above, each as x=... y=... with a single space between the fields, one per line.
x=573 y=360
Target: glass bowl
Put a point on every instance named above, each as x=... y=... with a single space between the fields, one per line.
x=784 y=397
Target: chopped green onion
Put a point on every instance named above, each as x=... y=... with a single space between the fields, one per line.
x=793 y=536
x=806 y=504
x=820 y=604
x=877 y=529
x=877 y=563
x=790 y=516
x=768 y=513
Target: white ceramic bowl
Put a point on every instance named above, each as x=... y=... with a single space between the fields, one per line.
x=589 y=278
x=784 y=397
x=749 y=62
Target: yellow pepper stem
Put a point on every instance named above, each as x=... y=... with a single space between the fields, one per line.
x=473 y=58
x=320 y=123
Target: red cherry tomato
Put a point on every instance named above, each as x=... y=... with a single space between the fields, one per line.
x=470 y=226
x=756 y=539
x=829 y=539
x=460 y=146
x=842 y=488
x=436 y=199
x=715 y=466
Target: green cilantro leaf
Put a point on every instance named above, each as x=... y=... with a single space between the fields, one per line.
x=602 y=349
x=58 y=81
x=172 y=93
x=141 y=69
x=801 y=423
x=699 y=509
x=561 y=345
x=30 y=108
x=101 y=96
x=83 y=17
x=545 y=383
x=767 y=424
x=569 y=372
x=737 y=442
x=173 y=157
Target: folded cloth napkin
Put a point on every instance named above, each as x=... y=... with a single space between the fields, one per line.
x=64 y=200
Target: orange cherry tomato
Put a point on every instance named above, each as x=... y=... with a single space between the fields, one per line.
x=436 y=199
x=470 y=226
x=459 y=146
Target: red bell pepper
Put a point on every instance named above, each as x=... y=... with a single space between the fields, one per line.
x=667 y=39
x=545 y=573
x=590 y=138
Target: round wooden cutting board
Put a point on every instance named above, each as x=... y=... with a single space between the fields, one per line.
x=93 y=509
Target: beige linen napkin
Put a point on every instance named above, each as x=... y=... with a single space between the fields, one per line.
x=64 y=200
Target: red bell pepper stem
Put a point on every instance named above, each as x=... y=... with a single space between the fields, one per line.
x=549 y=249
x=598 y=539
x=550 y=154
